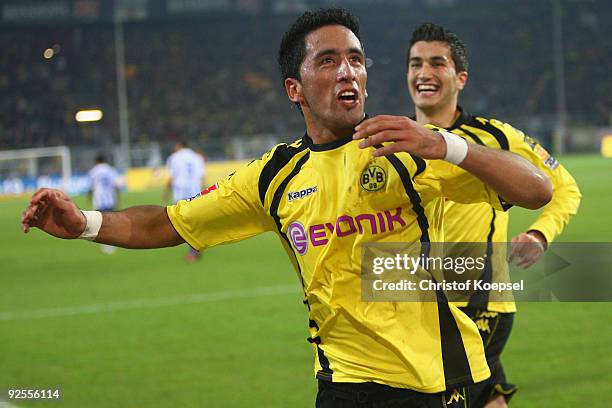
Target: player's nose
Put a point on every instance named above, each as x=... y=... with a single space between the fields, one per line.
x=346 y=72
x=425 y=72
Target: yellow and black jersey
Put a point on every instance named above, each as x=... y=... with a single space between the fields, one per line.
x=324 y=201
x=482 y=223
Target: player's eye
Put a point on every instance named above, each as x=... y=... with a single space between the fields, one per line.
x=357 y=59
x=327 y=60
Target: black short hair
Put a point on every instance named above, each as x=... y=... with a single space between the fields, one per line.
x=433 y=32
x=293 y=47
x=100 y=158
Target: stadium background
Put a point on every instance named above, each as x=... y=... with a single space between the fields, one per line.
x=141 y=327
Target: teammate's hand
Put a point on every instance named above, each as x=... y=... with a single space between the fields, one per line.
x=55 y=213
x=528 y=247
x=406 y=135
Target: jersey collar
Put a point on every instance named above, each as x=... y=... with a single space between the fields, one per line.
x=463 y=118
x=329 y=145
x=326 y=146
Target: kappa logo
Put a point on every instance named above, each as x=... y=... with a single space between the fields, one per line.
x=373 y=178
x=483 y=325
x=296 y=195
x=455 y=397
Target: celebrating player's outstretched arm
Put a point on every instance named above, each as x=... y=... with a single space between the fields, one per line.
x=497 y=168
x=138 y=227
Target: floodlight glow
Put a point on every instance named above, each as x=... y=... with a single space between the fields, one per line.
x=92 y=115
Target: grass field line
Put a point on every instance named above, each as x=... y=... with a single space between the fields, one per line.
x=149 y=303
x=4 y=404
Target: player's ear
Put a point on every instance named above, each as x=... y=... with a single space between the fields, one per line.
x=462 y=78
x=294 y=90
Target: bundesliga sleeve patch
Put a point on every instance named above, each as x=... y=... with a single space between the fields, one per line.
x=204 y=192
x=551 y=162
x=548 y=159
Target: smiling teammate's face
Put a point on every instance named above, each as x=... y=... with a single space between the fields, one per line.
x=433 y=81
x=332 y=88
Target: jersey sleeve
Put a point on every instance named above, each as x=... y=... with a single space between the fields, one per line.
x=461 y=186
x=566 y=194
x=458 y=185
x=226 y=212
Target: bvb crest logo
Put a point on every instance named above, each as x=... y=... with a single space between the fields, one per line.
x=373 y=178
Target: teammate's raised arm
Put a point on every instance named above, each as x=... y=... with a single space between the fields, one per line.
x=140 y=227
x=515 y=179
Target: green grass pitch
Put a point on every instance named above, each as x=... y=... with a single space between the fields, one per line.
x=143 y=328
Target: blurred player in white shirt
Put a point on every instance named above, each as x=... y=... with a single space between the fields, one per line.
x=105 y=189
x=187 y=170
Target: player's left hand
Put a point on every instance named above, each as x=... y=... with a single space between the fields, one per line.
x=528 y=247
x=405 y=134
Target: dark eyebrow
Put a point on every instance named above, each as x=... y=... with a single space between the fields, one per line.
x=357 y=51
x=330 y=51
x=333 y=51
x=439 y=58
x=435 y=58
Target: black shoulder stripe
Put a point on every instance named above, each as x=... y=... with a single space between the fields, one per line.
x=480 y=298
x=455 y=361
x=278 y=194
x=472 y=135
x=495 y=132
x=281 y=156
x=326 y=372
x=420 y=163
x=414 y=197
x=454 y=358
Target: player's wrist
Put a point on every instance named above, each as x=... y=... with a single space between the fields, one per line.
x=435 y=147
x=93 y=223
x=539 y=236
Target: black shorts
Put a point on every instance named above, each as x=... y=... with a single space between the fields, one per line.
x=373 y=395
x=495 y=330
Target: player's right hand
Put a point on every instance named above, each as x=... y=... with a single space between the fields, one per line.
x=55 y=213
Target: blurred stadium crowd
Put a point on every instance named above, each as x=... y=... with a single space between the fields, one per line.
x=214 y=77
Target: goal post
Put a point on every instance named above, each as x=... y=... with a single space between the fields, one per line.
x=26 y=162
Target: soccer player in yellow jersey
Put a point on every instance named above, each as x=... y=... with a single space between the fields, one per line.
x=325 y=195
x=437 y=70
